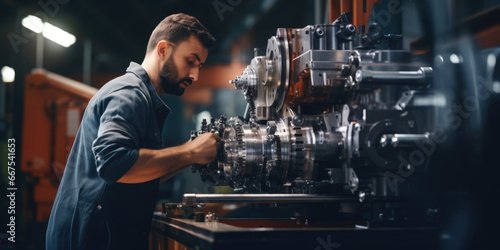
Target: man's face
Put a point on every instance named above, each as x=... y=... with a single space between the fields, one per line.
x=183 y=66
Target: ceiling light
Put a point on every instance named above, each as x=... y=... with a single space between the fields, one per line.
x=8 y=74
x=48 y=30
x=58 y=35
x=454 y=59
x=33 y=23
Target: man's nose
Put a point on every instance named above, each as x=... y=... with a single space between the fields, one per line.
x=193 y=74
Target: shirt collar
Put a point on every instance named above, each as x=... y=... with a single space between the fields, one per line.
x=141 y=73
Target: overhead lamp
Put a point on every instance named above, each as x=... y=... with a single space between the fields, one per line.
x=48 y=30
x=8 y=74
x=58 y=35
x=33 y=23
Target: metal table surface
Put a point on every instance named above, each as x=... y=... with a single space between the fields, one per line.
x=217 y=235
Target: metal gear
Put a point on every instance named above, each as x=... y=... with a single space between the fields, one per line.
x=276 y=148
x=297 y=149
x=239 y=166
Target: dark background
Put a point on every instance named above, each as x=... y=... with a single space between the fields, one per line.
x=118 y=32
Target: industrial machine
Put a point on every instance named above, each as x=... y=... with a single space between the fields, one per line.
x=328 y=113
x=331 y=139
x=345 y=142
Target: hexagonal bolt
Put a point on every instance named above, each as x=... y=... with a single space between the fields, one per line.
x=353 y=60
x=319 y=32
x=351 y=29
x=298 y=120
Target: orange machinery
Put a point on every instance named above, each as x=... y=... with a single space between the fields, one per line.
x=53 y=109
x=360 y=10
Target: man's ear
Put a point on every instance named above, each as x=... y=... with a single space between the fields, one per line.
x=163 y=50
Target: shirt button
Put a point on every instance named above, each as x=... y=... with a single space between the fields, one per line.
x=99 y=207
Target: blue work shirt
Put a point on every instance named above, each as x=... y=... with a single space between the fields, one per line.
x=91 y=209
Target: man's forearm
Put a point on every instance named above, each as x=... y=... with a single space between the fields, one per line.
x=165 y=163
x=153 y=164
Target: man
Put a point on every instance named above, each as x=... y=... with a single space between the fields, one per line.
x=108 y=191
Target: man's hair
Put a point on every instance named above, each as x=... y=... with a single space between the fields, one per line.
x=179 y=27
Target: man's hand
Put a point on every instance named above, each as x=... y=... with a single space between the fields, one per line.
x=204 y=148
x=167 y=162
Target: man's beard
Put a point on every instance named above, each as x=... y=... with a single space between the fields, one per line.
x=168 y=77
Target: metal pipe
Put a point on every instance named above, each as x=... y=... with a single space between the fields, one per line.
x=403 y=140
x=421 y=76
x=191 y=199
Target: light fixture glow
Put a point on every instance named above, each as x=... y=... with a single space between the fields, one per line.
x=58 y=35
x=491 y=60
x=8 y=74
x=48 y=30
x=33 y=23
x=454 y=59
x=496 y=87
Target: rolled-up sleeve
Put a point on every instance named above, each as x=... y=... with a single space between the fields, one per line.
x=123 y=122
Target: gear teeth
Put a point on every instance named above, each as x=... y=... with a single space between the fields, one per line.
x=239 y=169
x=277 y=149
x=297 y=169
x=278 y=152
